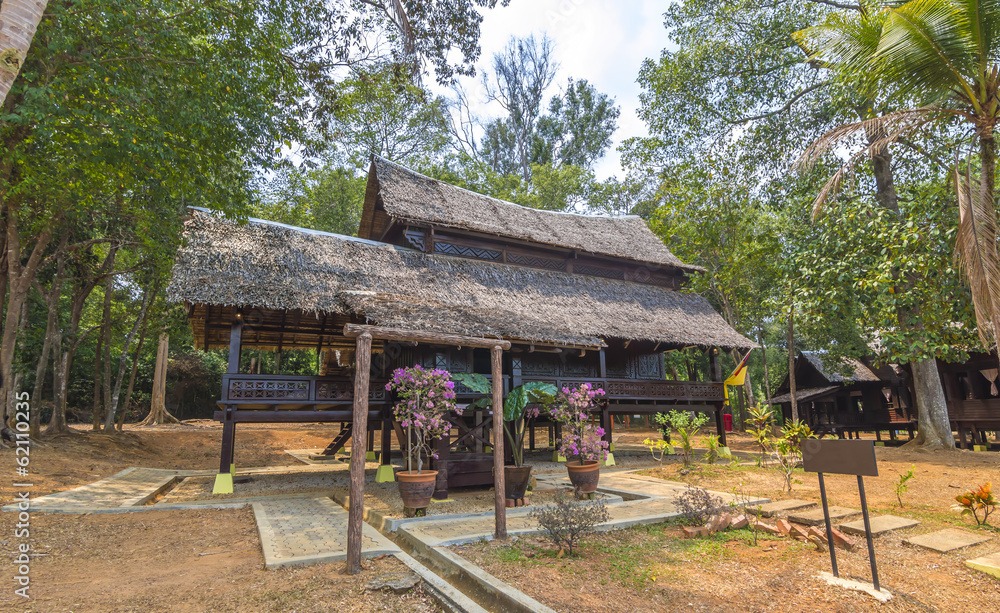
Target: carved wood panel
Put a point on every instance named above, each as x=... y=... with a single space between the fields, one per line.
x=254 y=389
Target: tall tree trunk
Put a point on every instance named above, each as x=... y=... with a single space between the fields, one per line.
x=40 y=372
x=98 y=401
x=131 y=378
x=57 y=423
x=18 y=21
x=19 y=282
x=933 y=425
x=109 y=286
x=763 y=354
x=931 y=404
x=988 y=155
x=158 y=413
x=109 y=417
x=791 y=360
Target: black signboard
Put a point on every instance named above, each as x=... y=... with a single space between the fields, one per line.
x=839 y=457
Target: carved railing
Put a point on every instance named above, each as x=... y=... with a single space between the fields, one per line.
x=288 y=389
x=645 y=389
x=284 y=389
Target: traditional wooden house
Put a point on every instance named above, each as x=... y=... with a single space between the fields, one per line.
x=970 y=388
x=856 y=398
x=446 y=275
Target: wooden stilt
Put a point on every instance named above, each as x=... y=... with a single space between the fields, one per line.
x=355 y=511
x=500 y=533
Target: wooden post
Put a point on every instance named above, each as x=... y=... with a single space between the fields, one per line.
x=715 y=372
x=500 y=533
x=235 y=345
x=355 y=511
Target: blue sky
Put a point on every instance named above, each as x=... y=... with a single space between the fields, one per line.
x=602 y=41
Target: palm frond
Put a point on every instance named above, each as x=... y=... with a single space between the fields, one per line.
x=880 y=132
x=927 y=48
x=976 y=252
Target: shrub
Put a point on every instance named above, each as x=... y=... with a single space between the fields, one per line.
x=976 y=501
x=901 y=485
x=686 y=425
x=712 y=448
x=697 y=505
x=564 y=522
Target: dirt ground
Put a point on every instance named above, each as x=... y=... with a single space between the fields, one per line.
x=653 y=569
x=153 y=561
x=185 y=561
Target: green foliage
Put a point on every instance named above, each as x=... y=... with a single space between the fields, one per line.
x=712 y=449
x=514 y=405
x=901 y=485
x=686 y=425
x=760 y=424
x=327 y=198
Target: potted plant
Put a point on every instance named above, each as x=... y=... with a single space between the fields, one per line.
x=425 y=397
x=580 y=438
x=523 y=402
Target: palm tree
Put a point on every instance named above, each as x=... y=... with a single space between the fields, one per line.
x=942 y=54
x=938 y=54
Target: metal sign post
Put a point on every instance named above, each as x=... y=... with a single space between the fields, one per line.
x=850 y=457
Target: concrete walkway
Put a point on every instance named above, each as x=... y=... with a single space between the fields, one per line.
x=656 y=505
x=132 y=487
x=310 y=531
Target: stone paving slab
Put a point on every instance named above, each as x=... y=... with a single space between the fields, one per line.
x=310 y=531
x=132 y=487
x=946 y=540
x=785 y=506
x=880 y=524
x=815 y=517
x=988 y=564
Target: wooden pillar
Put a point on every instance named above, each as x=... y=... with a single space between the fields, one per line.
x=715 y=371
x=235 y=345
x=355 y=511
x=500 y=533
x=603 y=366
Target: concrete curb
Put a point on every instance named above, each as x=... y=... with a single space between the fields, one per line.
x=497 y=595
x=447 y=595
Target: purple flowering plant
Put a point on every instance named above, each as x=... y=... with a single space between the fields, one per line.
x=580 y=437
x=426 y=397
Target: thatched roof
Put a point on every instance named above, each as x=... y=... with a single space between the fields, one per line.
x=858 y=371
x=802 y=395
x=267 y=265
x=411 y=197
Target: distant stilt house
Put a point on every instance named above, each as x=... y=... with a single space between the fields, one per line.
x=970 y=389
x=579 y=299
x=858 y=398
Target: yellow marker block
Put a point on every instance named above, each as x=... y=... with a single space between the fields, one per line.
x=370 y=456
x=980 y=447
x=610 y=461
x=724 y=452
x=611 y=447
x=558 y=458
x=384 y=474
x=223 y=484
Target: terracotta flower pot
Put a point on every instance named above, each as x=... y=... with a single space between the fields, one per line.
x=515 y=481
x=417 y=488
x=584 y=476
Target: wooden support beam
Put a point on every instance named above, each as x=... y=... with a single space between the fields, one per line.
x=355 y=511
x=441 y=338
x=235 y=345
x=500 y=532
